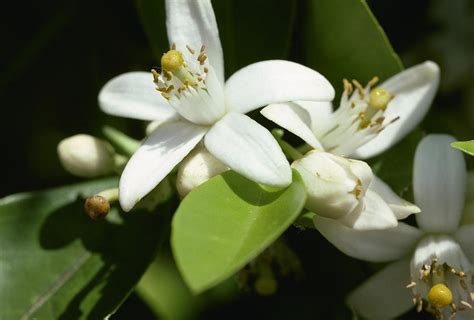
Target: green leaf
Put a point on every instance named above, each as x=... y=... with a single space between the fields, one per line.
x=164 y=291
x=465 y=146
x=226 y=222
x=342 y=39
x=56 y=263
x=246 y=38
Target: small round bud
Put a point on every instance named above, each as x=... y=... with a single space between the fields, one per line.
x=86 y=156
x=266 y=285
x=196 y=169
x=335 y=185
x=440 y=296
x=97 y=207
x=172 y=60
x=379 y=98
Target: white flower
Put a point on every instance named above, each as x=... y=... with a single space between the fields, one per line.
x=86 y=156
x=432 y=267
x=346 y=190
x=369 y=120
x=196 y=104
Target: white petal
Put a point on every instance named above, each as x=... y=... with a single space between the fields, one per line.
x=319 y=112
x=202 y=107
x=275 y=81
x=157 y=156
x=465 y=237
x=294 y=119
x=384 y=295
x=414 y=90
x=193 y=23
x=373 y=214
x=444 y=249
x=400 y=207
x=249 y=149
x=133 y=95
x=439 y=183
x=370 y=245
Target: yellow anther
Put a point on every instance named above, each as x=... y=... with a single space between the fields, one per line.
x=440 y=296
x=172 y=60
x=379 y=98
x=155 y=74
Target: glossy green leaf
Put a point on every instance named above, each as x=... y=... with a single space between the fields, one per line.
x=223 y=224
x=56 y=263
x=342 y=39
x=465 y=146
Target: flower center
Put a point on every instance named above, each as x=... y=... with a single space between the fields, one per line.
x=442 y=286
x=188 y=82
x=177 y=75
x=359 y=118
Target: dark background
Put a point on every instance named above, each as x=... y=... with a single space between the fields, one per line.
x=56 y=55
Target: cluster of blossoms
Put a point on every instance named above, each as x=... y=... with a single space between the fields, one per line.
x=199 y=126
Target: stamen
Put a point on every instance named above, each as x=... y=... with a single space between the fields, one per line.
x=419 y=305
x=156 y=75
x=411 y=285
x=203 y=48
x=202 y=57
x=191 y=50
x=465 y=303
x=373 y=81
x=347 y=86
x=173 y=46
x=360 y=88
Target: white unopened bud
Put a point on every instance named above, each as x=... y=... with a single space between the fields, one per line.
x=335 y=185
x=86 y=156
x=197 y=168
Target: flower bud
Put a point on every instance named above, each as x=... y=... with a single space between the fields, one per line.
x=97 y=207
x=196 y=169
x=86 y=156
x=335 y=185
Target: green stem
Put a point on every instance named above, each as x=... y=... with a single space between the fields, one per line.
x=121 y=141
x=111 y=195
x=289 y=151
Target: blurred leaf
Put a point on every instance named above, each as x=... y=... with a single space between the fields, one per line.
x=152 y=16
x=165 y=292
x=465 y=146
x=342 y=39
x=254 y=30
x=56 y=263
x=226 y=222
